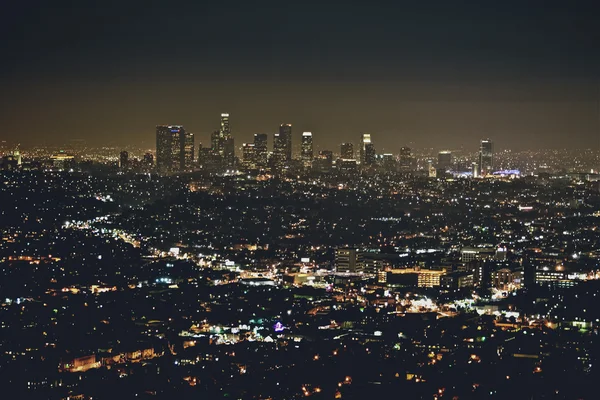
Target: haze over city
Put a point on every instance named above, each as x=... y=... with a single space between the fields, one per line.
x=430 y=75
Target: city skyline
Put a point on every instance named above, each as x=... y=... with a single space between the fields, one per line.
x=283 y=200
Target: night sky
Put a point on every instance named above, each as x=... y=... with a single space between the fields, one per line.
x=439 y=74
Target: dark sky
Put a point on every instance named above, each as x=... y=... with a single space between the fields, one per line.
x=426 y=73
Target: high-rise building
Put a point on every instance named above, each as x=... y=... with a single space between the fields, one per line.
x=285 y=135
x=260 y=149
x=170 y=143
x=347 y=260
x=188 y=151
x=347 y=151
x=406 y=160
x=444 y=160
x=124 y=160
x=279 y=149
x=370 y=155
x=365 y=140
x=249 y=156
x=323 y=163
x=225 y=129
x=388 y=162
x=229 y=152
x=307 y=149
x=486 y=157
x=228 y=146
x=216 y=143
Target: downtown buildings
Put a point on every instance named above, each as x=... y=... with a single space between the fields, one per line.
x=174 y=149
x=175 y=153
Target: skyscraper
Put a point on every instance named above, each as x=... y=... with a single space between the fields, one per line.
x=347 y=151
x=406 y=160
x=388 y=162
x=260 y=149
x=323 y=162
x=227 y=141
x=216 y=144
x=444 y=160
x=285 y=135
x=307 y=149
x=249 y=156
x=279 y=158
x=365 y=139
x=486 y=157
x=188 y=151
x=225 y=129
x=124 y=160
x=170 y=143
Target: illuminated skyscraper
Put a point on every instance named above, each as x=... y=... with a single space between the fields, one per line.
x=307 y=149
x=486 y=157
x=228 y=147
x=285 y=135
x=124 y=160
x=444 y=160
x=249 y=156
x=278 y=160
x=365 y=140
x=261 y=149
x=216 y=144
x=188 y=151
x=406 y=160
x=225 y=128
x=347 y=151
x=388 y=162
x=323 y=163
x=170 y=143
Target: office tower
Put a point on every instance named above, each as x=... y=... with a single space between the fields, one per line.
x=216 y=143
x=188 y=151
x=249 y=156
x=285 y=135
x=388 y=162
x=370 y=155
x=229 y=152
x=406 y=160
x=260 y=149
x=170 y=141
x=347 y=260
x=347 y=151
x=323 y=163
x=444 y=160
x=200 y=154
x=307 y=149
x=204 y=155
x=346 y=166
x=225 y=129
x=486 y=157
x=279 y=149
x=124 y=160
x=228 y=147
x=365 y=140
